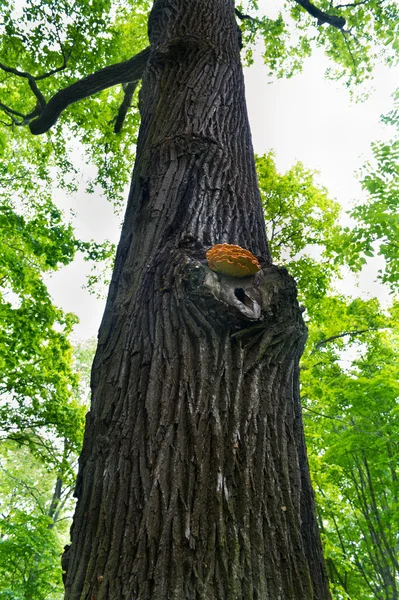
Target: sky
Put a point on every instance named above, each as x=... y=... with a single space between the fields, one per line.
x=306 y=118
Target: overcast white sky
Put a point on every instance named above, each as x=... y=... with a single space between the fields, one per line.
x=306 y=118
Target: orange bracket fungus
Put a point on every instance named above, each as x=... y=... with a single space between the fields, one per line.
x=232 y=260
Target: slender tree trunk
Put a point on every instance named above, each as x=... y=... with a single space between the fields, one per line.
x=193 y=480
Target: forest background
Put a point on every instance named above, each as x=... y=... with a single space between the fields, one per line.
x=350 y=366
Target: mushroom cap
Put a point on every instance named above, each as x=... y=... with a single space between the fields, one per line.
x=232 y=260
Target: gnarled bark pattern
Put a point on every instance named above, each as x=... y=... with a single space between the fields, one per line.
x=193 y=480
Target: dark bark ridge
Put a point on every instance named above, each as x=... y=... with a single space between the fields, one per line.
x=193 y=481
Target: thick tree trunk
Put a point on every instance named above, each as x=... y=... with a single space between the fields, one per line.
x=193 y=480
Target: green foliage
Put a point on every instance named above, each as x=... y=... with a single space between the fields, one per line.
x=302 y=227
x=370 y=33
x=376 y=232
x=351 y=416
x=36 y=378
x=61 y=40
x=83 y=354
x=37 y=478
x=41 y=409
x=54 y=42
x=31 y=537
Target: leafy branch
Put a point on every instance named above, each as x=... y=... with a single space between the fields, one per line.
x=45 y=114
x=321 y=16
x=31 y=81
x=127 y=72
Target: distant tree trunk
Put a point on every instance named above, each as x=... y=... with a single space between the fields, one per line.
x=193 y=480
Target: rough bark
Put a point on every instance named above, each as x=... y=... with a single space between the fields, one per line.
x=193 y=480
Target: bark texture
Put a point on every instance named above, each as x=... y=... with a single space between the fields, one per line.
x=193 y=480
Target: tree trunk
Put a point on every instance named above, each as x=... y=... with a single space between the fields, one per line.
x=193 y=480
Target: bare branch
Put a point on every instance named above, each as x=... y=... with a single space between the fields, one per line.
x=319 y=414
x=33 y=85
x=128 y=72
x=124 y=107
x=341 y=335
x=34 y=78
x=14 y=71
x=65 y=57
x=37 y=92
x=23 y=119
x=52 y=72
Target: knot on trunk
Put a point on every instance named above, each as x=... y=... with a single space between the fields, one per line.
x=238 y=297
x=258 y=301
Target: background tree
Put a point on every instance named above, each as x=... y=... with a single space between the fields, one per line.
x=35 y=365
x=32 y=530
x=352 y=431
x=38 y=469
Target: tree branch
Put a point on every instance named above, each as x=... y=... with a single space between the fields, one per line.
x=341 y=335
x=319 y=414
x=31 y=81
x=10 y=112
x=321 y=16
x=354 y=4
x=129 y=71
x=65 y=55
x=345 y=33
x=243 y=17
x=129 y=90
x=53 y=71
x=18 y=118
x=33 y=78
